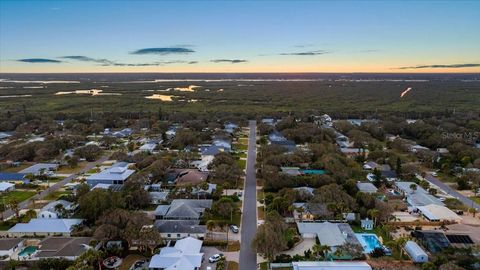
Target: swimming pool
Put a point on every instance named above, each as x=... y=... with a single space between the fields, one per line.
x=313 y=171
x=27 y=251
x=369 y=241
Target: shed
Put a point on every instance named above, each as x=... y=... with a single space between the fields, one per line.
x=415 y=252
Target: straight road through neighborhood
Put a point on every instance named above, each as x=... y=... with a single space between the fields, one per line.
x=248 y=257
x=24 y=205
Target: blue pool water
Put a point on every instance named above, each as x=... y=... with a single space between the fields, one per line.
x=313 y=171
x=27 y=251
x=369 y=241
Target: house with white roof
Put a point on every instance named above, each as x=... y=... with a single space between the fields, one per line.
x=418 y=197
x=367 y=187
x=117 y=174
x=318 y=265
x=6 y=187
x=44 y=227
x=148 y=147
x=185 y=255
x=434 y=212
x=55 y=209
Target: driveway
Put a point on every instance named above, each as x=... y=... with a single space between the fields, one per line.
x=248 y=258
x=209 y=251
x=450 y=191
x=23 y=205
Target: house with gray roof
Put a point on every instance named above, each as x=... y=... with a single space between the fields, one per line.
x=68 y=248
x=41 y=169
x=330 y=234
x=8 y=246
x=179 y=229
x=184 y=255
x=13 y=177
x=183 y=209
x=118 y=173
x=367 y=187
x=418 y=197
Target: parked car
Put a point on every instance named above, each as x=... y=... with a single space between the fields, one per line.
x=234 y=228
x=215 y=258
x=239 y=194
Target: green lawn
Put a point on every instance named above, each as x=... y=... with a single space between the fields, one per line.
x=56 y=195
x=475 y=199
x=242 y=164
x=240 y=146
x=19 y=195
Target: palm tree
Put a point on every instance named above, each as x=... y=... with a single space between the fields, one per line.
x=373 y=213
x=321 y=250
x=413 y=187
x=398 y=244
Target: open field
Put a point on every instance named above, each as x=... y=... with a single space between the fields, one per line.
x=332 y=93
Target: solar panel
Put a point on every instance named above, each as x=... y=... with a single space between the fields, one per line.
x=459 y=239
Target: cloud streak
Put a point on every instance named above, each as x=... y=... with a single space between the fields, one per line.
x=164 y=51
x=39 y=60
x=442 y=66
x=231 y=61
x=106 y=62
x=307 y=53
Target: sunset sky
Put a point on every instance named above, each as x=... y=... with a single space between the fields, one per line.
x=239 y=36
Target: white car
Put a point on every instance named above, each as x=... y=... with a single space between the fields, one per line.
x=215 y=258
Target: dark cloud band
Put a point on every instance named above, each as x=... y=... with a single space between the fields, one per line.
x=442 y=66
x=39 y=60
x=164 y=51
x=231 y=61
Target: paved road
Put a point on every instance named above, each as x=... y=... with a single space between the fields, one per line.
x=248 y=257
x=24 y=205
x=465 y=200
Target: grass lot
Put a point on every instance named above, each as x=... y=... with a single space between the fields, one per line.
x=69 y=170
x=240 y=146
x=94 y=170
x=242 y=164
x=233 y=246
x=446 y=178
x=129 y=260
x=56 y=195
x=260 y=195
x=475 y=199
x=261 y=213
x=232 y=265
x=18 y=168
x=19 y=195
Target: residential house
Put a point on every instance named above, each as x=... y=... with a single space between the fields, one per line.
x=288 y=145
x=118 y=173
x=69 y=248
x=370 y=165
x=6 y=187
x=171 y=132
x=223 y=144
x=389 y=175
x=204 y=192
x=182 y=209
x=185 y=177
x=123 y=133
x=418 y=197
x=13 y=177
x=44 y=227
x=179 y=229
x=333 y=235
x=158 y=197
x=269 y=121
x=311 y=211
x=8 y=246
x=366 y=224
x=367 y=187
x=292 y=171
x=148 y=147
x=41 y=169
x=230 y=127
x=354 y=152
x=336 y=265
x=276 y=136
x=56 y=209
x=184 y=255
x=434 y=212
